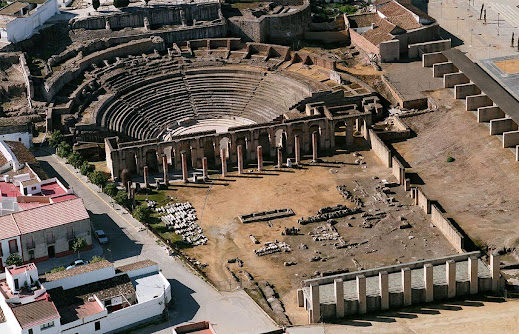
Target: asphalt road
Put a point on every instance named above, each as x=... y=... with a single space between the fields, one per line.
x=194 y=299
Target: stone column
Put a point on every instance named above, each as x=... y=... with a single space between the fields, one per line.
x=450 y=271
x=383 y=285
x=428 y=282
x=349 y=134
x=240 y=159
x=495 y=262
x=297 y=149
x=314 y=146
x=145 y=172
x=165 y=169
x=361 y=293
x=204 y=168
x=184 y=166
x=473 y=274
x=259 y=153
x=280 y=157
x=316 y=303
x=223 y=158
x=406 y=286
x=339 y=298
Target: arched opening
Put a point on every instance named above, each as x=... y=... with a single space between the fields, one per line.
x=209 y=152
x=185 y=148
x=168 y=152
x=264 y=142
x=225 y=143
x=314 y=128
x=131 y=164
x=281 y=140
x=340 y=135
x=151 y=161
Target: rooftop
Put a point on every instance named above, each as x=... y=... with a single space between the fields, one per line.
x=36 y=313
x=13 y=8
x=49 y=277
x=135 y=266
x=399 y=16
x=21 y=269
x=21 y=152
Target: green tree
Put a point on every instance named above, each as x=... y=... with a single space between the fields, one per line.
x=98 y=178
x=57 y=270
x=121 y=3
x=75 y=159
x=78 y=245
x=55 y=139
x=95 y=4
x=96 y=258
x=122 y=198
x=64 y=149
x=86 y=168
x=14 y=260
x=110 y=189
x=141 y=213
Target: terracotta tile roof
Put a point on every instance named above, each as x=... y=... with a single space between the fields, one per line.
x=363 y=20
x=49 y=277
x=399 y=16
x=52 y=215
x=381 y=32
x=409 y=6
x=135 y=266
x=8 y=227
x=35 y=313
x=21 y=152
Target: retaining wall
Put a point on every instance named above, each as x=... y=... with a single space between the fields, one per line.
x=429 y=59
x=418 y=49
x=449 y=231
x=380 y=149
x=498 y=126
x=440 y=69
x=510 y=139
x=477 y=101
x=486 y=114
x=398 y=170
x=452 y=79
x=464 y=90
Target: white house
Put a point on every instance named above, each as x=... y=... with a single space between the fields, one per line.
x=20 y=19
x=93 y=298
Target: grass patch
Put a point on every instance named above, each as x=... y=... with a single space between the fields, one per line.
x=450 y=159
x=158 y=196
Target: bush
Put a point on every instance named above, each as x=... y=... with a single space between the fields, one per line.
x=78 y=245
x=57 y=270
x=110 y=189
x=86 y=168
x=121 y=3
x=55 y=139
x=95 y=4
x=141 y=213
x=122 y=198
x=14 y=260
x=98 y=178
x=450 y=159
x=64 y=150
x=75 y=159
x=96 y=258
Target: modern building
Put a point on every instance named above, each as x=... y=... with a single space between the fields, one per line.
x=19 y=20
x=94 y=298
x=16 y=132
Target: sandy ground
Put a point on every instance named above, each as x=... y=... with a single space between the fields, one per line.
x=479 y=190
x=508 y=66
x=306 y=191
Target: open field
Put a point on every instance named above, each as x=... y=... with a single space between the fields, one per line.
x=479 y=189
x=306 y=191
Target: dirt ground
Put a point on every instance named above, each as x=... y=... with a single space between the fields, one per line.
x=509 y=66
x=479 y=189
x=306 y=191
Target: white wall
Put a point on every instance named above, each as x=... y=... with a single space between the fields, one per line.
x=5 y=248
x=82 y=279
x=14 y=326
x=23 y=27
x=26 y=138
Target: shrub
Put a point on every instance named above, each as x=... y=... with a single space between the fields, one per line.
x=78 y=245
x=98 y=178
x=75 y=159
x=96 y=258
x=450 y=159
x=55 y=139
x=14 y=260
x=57 y=270
x=122 y=198
x=86 y=168
x=64 y=150
x=121 y=3
x=141 y=213
x=110 y=189
x=95 y=4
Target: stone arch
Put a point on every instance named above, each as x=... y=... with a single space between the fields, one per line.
x=130 y=162
x=225 y=143
x=264 y=142
x=340 y=132
x=151 y=160
x=209 y=152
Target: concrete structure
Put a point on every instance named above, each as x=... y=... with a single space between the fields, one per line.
x=399 y=285
x=20 y=19
x=239 y=153
x=94 y=298
x=223 y=158
x=259 y=156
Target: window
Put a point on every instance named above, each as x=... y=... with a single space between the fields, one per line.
x=31 y=254
x=30 y=331
x=30 y=242
x=47 y=325
x=50 y=237
x=97 y=326
x=70 y=232
x=13 y=246
x=33 y=188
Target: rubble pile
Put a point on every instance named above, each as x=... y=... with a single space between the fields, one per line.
x=181 y=218
x=273 y=247
x=347 y=195
x=327 y=213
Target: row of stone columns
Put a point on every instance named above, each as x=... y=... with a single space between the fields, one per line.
x=450 y=272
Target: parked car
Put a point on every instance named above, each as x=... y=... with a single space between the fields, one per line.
x=101 y=237
x=77 y=263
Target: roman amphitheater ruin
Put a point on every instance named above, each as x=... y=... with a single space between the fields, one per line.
x=284 y=174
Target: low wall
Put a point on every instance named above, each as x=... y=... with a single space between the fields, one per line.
x=398 y=170
x=452 y=79
x=419 y=103
x=429 y=59
x=440 y=69
x=464 y=90
x=422 y=201
x=362 y=43
x=486 y=114
x=24 y=68
x=448 y=230
x=473 y=102
x=389 y=51
x=419 y=49
x=510 y=139
x=380 y=148
x=498 y=126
